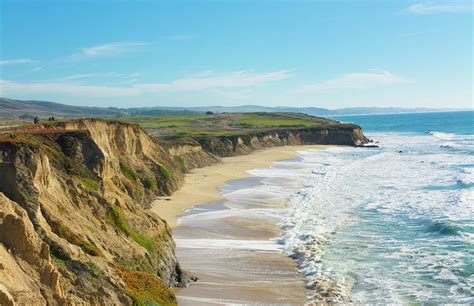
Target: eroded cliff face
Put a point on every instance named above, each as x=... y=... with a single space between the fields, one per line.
x=74 y=225
x=205 y=150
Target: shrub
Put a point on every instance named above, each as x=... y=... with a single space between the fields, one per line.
x=148 y=183
x=144 y=288
x=164 y=172
x=89 y=184
x=129 y=186
x=128 y=172
x=117 y=218
x=180 y=162
x=65 y=233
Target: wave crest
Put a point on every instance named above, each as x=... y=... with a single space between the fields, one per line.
x=445 y=229
x=442 y=136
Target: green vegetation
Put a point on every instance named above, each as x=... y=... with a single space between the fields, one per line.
x=89 y=184
x=162 y=121
x=137 y=181
x=144 y=288
x=47 y=123
x=140 y=119
x=30 y=198
x=276 y=122
x=65 y=233
x=180 y=162
x=165 y=172
x=94 y=270
x=172 y=123
x=226 y=124
x=148 y=183
x=128 y=172
x=46 y=143
x=116 y=217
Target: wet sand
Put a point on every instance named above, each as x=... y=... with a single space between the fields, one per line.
x=235 y=260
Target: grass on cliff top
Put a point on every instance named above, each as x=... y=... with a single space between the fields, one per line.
x=276 y=122
x=144 y=288
x=225 y=124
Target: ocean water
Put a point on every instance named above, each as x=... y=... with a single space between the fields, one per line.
x=393 y=224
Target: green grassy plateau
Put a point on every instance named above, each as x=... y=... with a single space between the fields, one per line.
x=225 y=124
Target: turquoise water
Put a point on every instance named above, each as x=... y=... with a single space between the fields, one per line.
x=392 y=224
x=446 y=122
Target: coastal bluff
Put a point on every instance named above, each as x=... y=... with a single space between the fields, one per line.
x=212 y=147
x=75 y=224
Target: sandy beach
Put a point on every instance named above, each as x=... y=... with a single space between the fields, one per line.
x=203 y=185
x=233 y=255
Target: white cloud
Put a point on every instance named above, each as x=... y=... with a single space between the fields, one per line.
x=17 y=61
x=209 y=80
x=202 y=82
x=109 y=49
x=426 y=8
x=110 y=77
x=10 y=88
x=358 y=80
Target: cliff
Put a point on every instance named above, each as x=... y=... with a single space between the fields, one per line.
x=74 y=224
x=204 y=150
x=74 y=196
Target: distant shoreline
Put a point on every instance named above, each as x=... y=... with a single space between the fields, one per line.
x=407 y=113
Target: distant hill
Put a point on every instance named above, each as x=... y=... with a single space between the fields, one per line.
x=316 y=111
x=16 y=108
x=10 y=108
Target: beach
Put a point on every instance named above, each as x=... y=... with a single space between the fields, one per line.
x=234 y=255
x=202 y=185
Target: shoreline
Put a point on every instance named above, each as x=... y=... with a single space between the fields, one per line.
x=203 y=185
x=233 y=254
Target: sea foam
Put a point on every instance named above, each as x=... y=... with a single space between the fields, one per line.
x=386 y=225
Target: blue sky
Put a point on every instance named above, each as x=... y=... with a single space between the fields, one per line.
x=277 y=53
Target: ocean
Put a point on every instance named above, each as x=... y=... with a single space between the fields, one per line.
x=392 y=224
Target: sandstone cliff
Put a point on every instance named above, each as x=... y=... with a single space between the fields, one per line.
x=74 y=227
x=205 y=150
x=74 y=223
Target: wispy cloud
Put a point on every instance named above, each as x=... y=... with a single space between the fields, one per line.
x=206 y=81
x=109 y=49
x=109 y=77
x=437 y=7
x=355 y=81
x=17 y=61
x=11 y=88
x=209 y=80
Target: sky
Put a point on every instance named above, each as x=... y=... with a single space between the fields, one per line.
x=331 y=54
